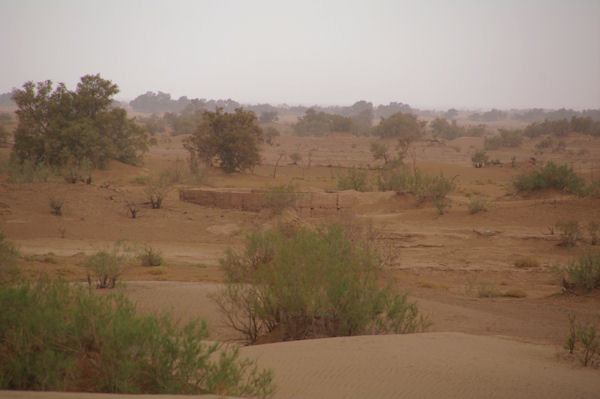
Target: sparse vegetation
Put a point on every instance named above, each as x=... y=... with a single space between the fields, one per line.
x=592 y=228
x=560 y=177
x=8 y=260
x=158 y=188
x=278 y=198
x=582 y=273
x=59 y=337
x=514 y=293
x=506 y=138
x=151 y=257
x=477 y=205
x=584 y=335
x=106 y=266
x=479 y=158
x=132 y=209
x=56 y=205
x=311 y=283
x=570 y=232
x=354 y=179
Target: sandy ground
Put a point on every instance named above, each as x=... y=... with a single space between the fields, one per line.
x=476 y=347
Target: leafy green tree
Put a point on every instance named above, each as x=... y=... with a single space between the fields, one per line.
x=232 y=138
x=405 y=127
x=61 y=127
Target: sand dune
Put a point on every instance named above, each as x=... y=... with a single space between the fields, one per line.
x=428 y=365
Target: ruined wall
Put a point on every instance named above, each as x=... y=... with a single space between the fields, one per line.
x=308 y=204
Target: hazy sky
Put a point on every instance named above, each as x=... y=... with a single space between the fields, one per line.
x=478 y=53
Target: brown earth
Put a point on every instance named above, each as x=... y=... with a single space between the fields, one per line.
x=478 y=346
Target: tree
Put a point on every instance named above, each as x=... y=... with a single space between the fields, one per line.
x=405 y=127
x=268 y=116
x=232 y=138
x=61 y=127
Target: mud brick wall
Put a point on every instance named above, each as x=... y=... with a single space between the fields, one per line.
x=308 y=204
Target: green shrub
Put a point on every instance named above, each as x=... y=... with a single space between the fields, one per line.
x=56 y=205
x=585 y=334
x=27 y=171
x=354 y=179
x=106 y=267
x=8 y=260
x=158 y=188
x=488 y=290
x=477 y=205
x=278 y=198
x=569 y=232
x=582 y=273
x=151 y=257
x=54 y=336
x=506 y=138
x=560 y=177
x=311 y=283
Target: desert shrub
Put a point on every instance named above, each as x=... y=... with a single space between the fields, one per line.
x=585 y=334
x=506 y=138
x=311 y=283
x=582 y=273
x=354 y=179
x=527 y=262
x=424 y=187
x=8 y=260
x=477 y=205
x=158 y=188
x=560 y=177
x=151 y=257
x=271 y=134
x=570 y=232
x=132 y=209
x=479 y=158
x=295 y=157
x=27 y=171
x=278 y=198
x=488 y=290
x=592 y=228
x=59 y=337
x=106 y=266
x=514 y=293
x=56 y=205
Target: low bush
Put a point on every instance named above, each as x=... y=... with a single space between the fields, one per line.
x=586 y=335
x=582 y=273
x=477 y=205
x=560 y=177
x=56 y=205
x=8 y=260
x=27 y=171
x=592 y=229
x=311 y=283
x=506 y=138
x=479 y=159
x=570 y=232
x=278 y=198
x=158 y=188
x=59 y=337
x=514 y=293
x=354 y=179
x=151 y=257
x=106 y=266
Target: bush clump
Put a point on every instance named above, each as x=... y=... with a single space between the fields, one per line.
x=584 y=335
x=354 y=179
x=54 y=336
x=582 y=273
x=105 y=267
x=278 y=198
x=560 y=177
x=151 y=257
x=311 y=283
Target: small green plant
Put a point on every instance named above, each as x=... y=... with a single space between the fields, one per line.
x=354 y=179
x=592 y=228
x=278 y=198
x=151 y=257
x=582 y=273
x=106 y=266
x=569 y=232
x=585 y=334
x=527 y=262
x=477 y=205
x=56 y=205
x=62 y=337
